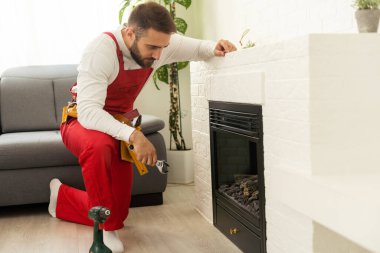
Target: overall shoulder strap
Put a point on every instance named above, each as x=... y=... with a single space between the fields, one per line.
x=118 y=51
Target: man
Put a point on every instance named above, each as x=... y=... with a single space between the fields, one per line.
x=112 y=72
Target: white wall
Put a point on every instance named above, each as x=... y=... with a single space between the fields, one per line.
x=272 y=20
x=156 y=102
x=44 y=32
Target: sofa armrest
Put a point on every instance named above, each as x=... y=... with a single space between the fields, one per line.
x=151 y=124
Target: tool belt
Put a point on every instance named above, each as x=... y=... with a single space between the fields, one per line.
x=126 y=149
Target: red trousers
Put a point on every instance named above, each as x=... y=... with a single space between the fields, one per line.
x=108 y=179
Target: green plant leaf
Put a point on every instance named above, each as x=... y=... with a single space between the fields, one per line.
x=366 y=4
x=167 y=2
x=182 y=64
x=122 y=10
x=155 y=80
x=185 y=3
x=181 y=25
x=163 y=74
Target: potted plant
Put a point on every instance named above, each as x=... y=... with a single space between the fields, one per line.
x=179 y=155
x=367 y=15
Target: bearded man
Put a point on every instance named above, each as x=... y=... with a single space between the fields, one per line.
x=113 y=70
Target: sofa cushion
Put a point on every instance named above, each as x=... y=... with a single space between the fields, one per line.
x=33 y=150
x=31 y=98
x=27 y=104
x=45 y=148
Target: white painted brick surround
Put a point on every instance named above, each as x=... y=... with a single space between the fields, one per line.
x=310 y=88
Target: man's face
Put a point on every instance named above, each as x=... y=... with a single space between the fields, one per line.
x=148 y=47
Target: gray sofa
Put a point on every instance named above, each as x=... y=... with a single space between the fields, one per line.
x=31 y=149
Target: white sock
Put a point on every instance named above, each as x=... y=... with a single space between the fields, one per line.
x=54 y=187
x=111 y=240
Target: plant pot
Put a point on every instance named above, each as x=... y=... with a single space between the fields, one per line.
x=367 y=20
x=181 y=170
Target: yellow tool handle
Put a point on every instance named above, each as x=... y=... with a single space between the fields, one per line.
x=139 y=165
x=129 y=155
x=69 y=111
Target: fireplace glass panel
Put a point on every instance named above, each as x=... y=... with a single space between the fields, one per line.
x=236 y=164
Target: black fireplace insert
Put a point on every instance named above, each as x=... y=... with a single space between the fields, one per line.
x=237 y=168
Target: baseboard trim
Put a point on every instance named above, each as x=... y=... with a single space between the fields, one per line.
x=151 y=199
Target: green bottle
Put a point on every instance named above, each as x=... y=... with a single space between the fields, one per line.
x=99 y=215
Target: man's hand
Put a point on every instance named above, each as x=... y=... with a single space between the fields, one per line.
x=223 y=47
x=144 y=149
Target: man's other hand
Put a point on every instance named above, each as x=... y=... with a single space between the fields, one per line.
x=223 y=47
x=144 y=149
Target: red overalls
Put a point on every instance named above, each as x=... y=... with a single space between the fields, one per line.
x=107 y=178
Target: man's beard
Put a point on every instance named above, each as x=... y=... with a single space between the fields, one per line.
x=135 y=53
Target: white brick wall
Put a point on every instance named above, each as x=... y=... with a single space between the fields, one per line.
x=276 y=77
x=272 y=21
x=299 y=83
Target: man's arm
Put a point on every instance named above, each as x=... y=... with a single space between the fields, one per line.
x=182 y=48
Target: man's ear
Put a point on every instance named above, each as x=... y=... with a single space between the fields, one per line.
x=130 y=33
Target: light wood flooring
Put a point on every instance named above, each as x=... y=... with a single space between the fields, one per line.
x=174 y=227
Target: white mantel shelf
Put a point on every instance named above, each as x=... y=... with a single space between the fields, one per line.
x=321 y=117
x=348 y=205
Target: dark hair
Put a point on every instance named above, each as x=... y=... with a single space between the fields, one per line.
x=151 y=15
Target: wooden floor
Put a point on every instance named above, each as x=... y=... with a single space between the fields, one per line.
x=174 y=227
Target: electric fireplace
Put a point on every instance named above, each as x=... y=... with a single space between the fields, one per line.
x=238 y=173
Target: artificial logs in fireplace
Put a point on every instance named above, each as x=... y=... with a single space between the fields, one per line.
x=245 y=192
x=238 y=173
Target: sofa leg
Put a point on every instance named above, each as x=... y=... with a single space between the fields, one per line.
x=151 y=199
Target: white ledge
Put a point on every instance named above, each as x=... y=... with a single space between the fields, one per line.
x=348 y=205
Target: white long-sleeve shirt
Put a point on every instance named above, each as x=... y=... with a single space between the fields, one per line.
x=99 y=67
